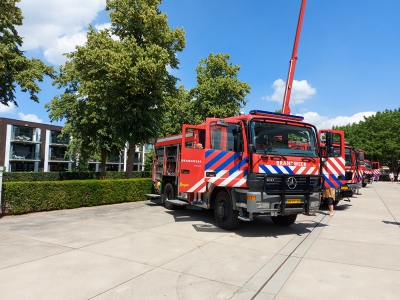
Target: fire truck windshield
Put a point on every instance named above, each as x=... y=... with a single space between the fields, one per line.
x=284 y=139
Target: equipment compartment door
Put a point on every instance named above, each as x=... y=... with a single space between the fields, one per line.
x=191 y=171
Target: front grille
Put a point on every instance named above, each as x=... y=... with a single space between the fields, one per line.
x=284 y=183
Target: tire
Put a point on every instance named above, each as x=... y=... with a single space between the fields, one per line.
x=284 y=220
x=226 y=217
x=364 y=184
x=168 y=194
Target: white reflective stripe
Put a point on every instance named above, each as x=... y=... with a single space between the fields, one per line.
x=271 y=169
x=301 y=170
x=199 y=183
x=240 y=182
x=337 y=164
x=220 y=174
x=311 y=171
x=230 y=178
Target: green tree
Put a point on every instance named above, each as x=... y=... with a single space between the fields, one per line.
x=15 y=68
x=177 y=111
x=116 y=83
x=218 y=93
x=378 y=136
x=148 y=160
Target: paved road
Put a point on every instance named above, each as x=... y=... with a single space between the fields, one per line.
x=142 y=251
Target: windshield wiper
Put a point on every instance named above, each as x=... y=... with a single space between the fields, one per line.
x=309 y=158
x=274 y=156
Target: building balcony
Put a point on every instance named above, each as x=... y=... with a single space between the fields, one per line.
x=115 y=159
x=58 y=158
x=59 y=141
x=24 y=156
x=33 y=139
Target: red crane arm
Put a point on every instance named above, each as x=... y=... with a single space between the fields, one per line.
x=292 y=62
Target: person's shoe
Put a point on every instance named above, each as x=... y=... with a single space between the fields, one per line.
x=194 y=201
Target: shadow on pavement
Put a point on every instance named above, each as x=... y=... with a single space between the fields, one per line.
x=340 y=207
x=261 y=226
x=391 y=223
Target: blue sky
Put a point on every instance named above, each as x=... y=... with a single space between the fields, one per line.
x=348 y=58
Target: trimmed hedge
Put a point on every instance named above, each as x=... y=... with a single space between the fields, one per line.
x=59 y=176
x=27 y=197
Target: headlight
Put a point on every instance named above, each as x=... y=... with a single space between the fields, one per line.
x=263 y=205
x=314 y=204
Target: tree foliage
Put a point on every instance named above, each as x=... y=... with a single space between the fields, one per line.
x=177 y=111
x=15 y=68
x=378 y=136
x=116 y=83
x=218 y=93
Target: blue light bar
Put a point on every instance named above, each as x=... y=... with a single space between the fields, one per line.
x=265 y=113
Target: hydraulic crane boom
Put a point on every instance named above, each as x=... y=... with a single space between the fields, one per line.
x=292 y=62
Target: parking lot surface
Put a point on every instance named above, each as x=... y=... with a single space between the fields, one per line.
x=141 y=250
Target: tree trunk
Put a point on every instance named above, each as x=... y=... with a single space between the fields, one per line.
x=129 y=161
x=103 y=163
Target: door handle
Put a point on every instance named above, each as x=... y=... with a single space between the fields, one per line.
x=185 y=171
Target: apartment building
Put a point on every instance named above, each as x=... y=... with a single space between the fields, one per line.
x=36 y=147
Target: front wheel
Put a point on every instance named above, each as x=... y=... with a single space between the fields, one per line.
x=284 y=220
x=364 y=184
x=226 y=217
x=168 y=194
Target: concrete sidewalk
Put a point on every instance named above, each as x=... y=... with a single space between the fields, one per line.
x=142 y=251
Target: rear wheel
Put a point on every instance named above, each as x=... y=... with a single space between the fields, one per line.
x=284 y=220
x=226 y=217
x=168 y=194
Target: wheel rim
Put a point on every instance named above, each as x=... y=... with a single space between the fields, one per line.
x=222 y=210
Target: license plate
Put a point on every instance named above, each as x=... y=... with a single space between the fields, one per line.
x=293 y=201
x=344 y=188
x=366 y=180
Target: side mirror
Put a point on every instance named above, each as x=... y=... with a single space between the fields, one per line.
x=329 y=140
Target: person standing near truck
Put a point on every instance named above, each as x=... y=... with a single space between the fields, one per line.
x=329 y=196
x=391 y=177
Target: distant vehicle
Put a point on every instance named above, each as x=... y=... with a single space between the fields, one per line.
x=376 y=169
x=368 y=173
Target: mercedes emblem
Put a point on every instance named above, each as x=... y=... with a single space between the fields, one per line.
x=291 y=183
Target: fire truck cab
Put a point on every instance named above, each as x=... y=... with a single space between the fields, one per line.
x=354 y=172
x=368 y=173
x=376 y=169
x=262 y=163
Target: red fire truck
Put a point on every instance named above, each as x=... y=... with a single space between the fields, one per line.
x=347 y=182
x=262 y=163
x=376 y=169
x=368 y=173
x=353 y=174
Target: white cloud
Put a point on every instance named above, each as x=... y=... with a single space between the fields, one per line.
x=10 y=109
x=30 y=118
x=102 y=26
x=57 y=26
x=301 y=91
x=322 y=122
x=65 y=44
